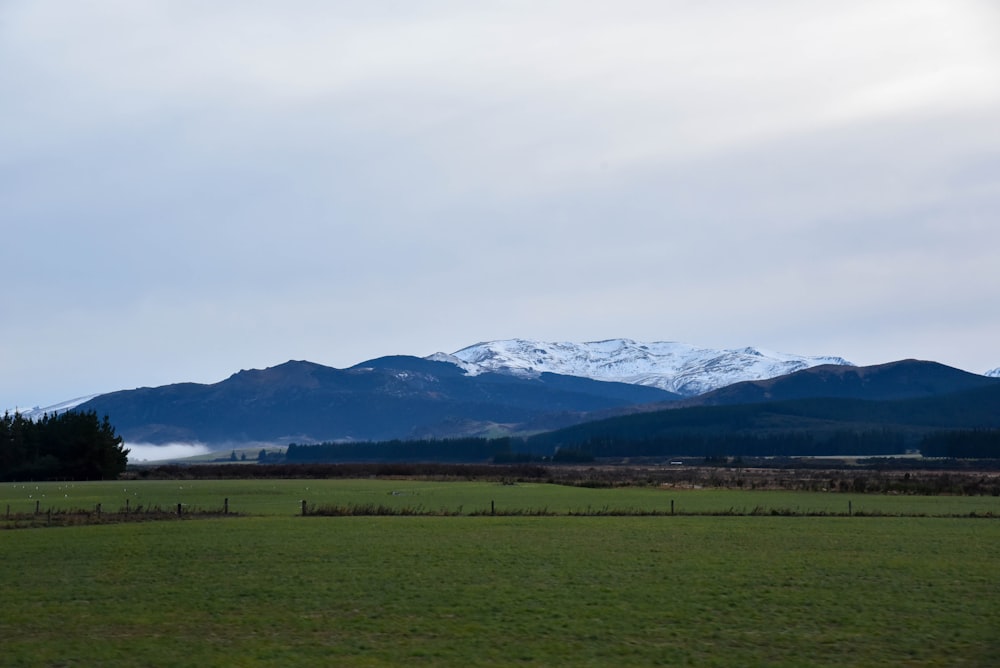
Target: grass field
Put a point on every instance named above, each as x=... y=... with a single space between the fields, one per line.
x=276 y=589
x=284 y=497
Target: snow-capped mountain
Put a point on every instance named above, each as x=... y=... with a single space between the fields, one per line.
x=993 y=373
x=677 y=367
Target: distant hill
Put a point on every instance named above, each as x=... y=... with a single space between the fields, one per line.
x=384 y=398
x=905 y=379
x=819 y=411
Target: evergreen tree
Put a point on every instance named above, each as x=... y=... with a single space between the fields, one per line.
x=71 y=446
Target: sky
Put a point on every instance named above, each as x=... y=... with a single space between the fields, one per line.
x=188 y=189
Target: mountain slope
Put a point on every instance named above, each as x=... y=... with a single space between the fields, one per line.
x=677 y=367
x=825 y=425
x=905 y=379
x=386 y=398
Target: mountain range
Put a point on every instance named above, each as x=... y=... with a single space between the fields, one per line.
x=516 y=386
x=677 y=367
x=386 y=398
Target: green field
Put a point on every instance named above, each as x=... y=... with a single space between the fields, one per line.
x=284 y=497
x=273 y=589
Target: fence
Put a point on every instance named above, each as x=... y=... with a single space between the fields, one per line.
x=127 y=513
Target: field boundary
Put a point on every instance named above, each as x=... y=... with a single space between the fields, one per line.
x=63 y=517
x=51 y=518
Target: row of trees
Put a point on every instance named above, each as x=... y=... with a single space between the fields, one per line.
x=67 y=446
x=975 y=443
x=750 y=444
x=968 y=443
x=470 y=449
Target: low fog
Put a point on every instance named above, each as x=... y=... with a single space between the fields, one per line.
x=148 y=452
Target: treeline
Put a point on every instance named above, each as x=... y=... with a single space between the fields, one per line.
x=326 y=470
x=504 y=450
x=443 y=450
x=780 y=444
x=68 y=446
x=960 y=444
x=964 y=444
x=977 y=443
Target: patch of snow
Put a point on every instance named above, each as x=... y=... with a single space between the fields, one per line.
x=993 y=373
x=54 y=409
x=677 y=367
x=469 y=369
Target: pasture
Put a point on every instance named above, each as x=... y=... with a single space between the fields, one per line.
x=284 y=497
x=272 y=588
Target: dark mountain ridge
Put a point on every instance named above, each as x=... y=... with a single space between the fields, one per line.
x=384 y=398
x=905 y=379
x=892 y=406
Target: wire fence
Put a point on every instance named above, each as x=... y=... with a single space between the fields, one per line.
x=99 y=514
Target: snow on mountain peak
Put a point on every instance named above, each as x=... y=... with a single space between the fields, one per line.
x=677 y=367
x=469 y=369
x=993 y=373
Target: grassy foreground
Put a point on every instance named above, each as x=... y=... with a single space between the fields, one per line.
x=271 y=588
x=378 y=591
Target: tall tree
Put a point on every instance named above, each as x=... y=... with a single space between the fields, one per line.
x=71 y=445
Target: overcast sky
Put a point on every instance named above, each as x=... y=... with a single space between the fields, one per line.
x=188 y=189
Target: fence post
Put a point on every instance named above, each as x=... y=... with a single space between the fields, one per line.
x=98 y=511
x=225 y=506
x=671 y=506
x=36 y=506
x=303 y=507
x=178 y=510
x=850 y=509
x=493 y=508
